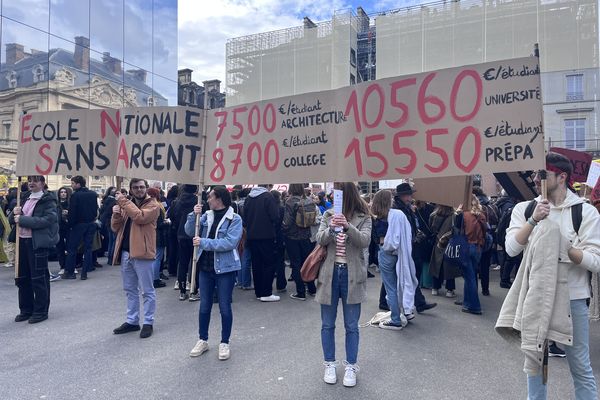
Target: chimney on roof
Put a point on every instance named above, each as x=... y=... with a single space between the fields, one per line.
x=113 y=64
x=14 y=52
x=82 y=53
x=139 y=74
x=184 y=76
x=308 y=23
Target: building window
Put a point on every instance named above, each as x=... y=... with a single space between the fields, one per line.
x=150 y=101
x=353 y=57
x=6 y=130
x=574 y=87
x=575 y=133
x=352 y=79
x=38 y=74
x=11 y=77
x=191 y=97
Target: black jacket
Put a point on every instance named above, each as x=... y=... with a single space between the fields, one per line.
x=62 y=220
x=43 y=223
x=106 y=210
x=504 y=203
x=261 y=215
x=83 y=206
x=162 y=230
x=179 y=210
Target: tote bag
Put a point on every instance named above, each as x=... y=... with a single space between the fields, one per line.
x=456 y=252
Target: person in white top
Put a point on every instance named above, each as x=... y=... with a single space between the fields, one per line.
x=579 y=254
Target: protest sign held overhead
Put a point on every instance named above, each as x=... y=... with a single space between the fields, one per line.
x=449 y=191
x=459 y=121
x=593 y=174
x=73 y=142
x=580 y=160
x=161 y=143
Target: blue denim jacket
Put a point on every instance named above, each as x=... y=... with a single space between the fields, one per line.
x=224 y=246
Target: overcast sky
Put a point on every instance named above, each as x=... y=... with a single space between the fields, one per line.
x=205 y=26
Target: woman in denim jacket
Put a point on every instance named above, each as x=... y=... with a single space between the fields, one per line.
x=218 y=263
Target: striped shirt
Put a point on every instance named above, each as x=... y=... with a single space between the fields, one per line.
x=340 y=248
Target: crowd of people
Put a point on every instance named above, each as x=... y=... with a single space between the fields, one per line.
x=248 y=237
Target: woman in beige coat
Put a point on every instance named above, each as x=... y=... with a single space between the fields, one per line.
x=343 y=275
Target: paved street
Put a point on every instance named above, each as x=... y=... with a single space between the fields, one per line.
x=276 y=350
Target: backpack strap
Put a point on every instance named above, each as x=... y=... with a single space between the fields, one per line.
x=530 y=208
x=577 y=216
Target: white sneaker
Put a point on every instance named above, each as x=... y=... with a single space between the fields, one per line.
x=330 y=376
x=434 y=292
x=200 y=347
x=450 y=293
x=61 y=272
x=224 y=351
x=410 y=316
x=350 y=375
x=176 y=287
x=270 y=298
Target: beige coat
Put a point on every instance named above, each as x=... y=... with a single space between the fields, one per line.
x=142 y=237
x=358 y=238
x=538 y=304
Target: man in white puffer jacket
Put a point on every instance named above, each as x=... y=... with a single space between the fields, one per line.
x=579 y=254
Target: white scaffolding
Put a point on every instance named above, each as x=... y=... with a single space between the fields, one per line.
x=291 y=61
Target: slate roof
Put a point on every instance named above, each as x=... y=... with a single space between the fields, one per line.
x=57 y=59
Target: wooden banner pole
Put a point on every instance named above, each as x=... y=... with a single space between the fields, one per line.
x=200 y=191
x=17 y=229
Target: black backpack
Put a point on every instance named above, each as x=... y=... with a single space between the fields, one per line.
x=503 y=224
x=492 y=215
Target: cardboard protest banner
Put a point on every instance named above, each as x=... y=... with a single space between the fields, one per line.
x=161 y=143
x=518 y=184
x=158 y=143
x=593 y=174
x=73 y=142
x=448 y=191
x=459 y=121
x=580 y=160
x=596 y=192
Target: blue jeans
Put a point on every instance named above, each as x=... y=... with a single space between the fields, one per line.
x=245 y=274
x=80 y=232
x=160 y=251
x=578 y=356
x=339 y=289
x=137 y=274
x=223 y=283
x=387 y=267
x=470 y=296
x=111 y=245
